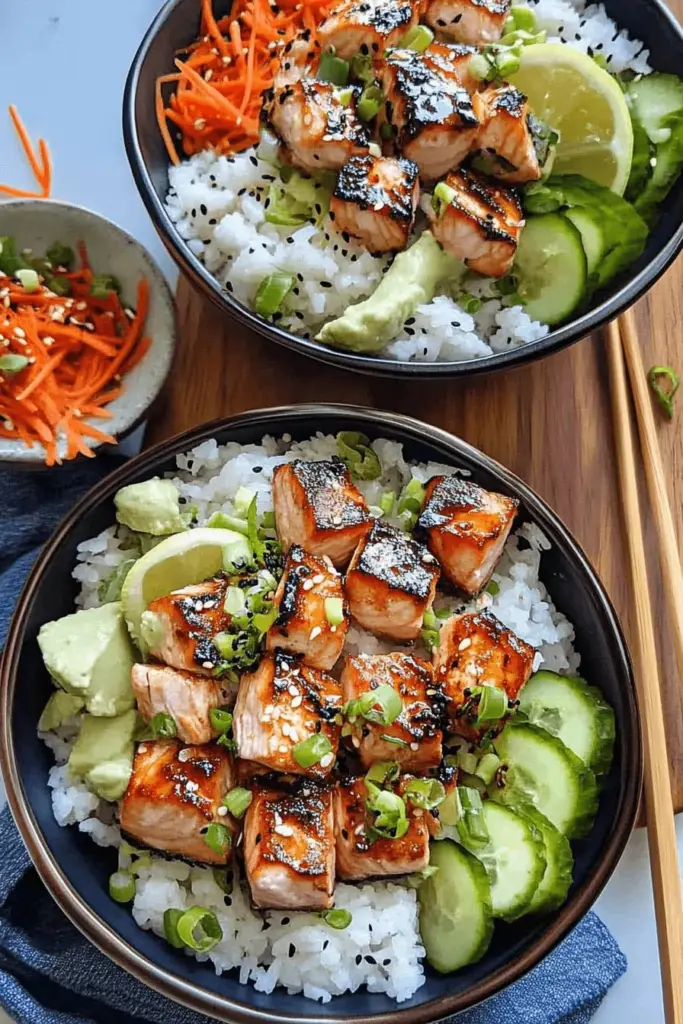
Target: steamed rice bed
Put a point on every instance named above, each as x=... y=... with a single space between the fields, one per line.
x=381 y=948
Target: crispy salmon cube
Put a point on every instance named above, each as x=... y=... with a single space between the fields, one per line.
x=302 y=625
x=289 y=848
x=175 y=793
x=391 y=583
x=318 y=506
x=413 y=739
x=186 y=697
x=466 y=528
x=368 y=26
x=476 y=649
x=361 y=855
x=469 y=21
x=505 y=139
x=375 y=199
x=282 y=704
x=180 y=627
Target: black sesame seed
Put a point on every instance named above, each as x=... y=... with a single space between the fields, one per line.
x=257 y=469
x=292 y=950
x=194 y=212
x=359 y=959
x=213 y=221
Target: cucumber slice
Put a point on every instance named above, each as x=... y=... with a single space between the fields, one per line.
x=550 y=268
x=668 y=163
x=548 y=775
x=577 y=713
x=552 y=890
x=592 y=234
x=652 y=100
x=514 y=859
x=456 y=922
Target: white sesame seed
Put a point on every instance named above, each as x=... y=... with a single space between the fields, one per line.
x=359 y=830
x=293 y=734
x=418 y=813
x=284 y=830
x=226 y=60
x=414 y=746
x=81 y=305
x=307 y=585
x=183 y=755
x=333 y=629
x=222 y=811
x=191 y=786
x=285 y=728
x=379 y=205
x=337 y=520
x=326 y=760
x=292 y=690
x=19 y=332
x=427 y=558
x=355 y=741
x=129 y=313
x=464 y=644
x=318 y=578
x=207 y=664
x=208 y=74
x=283 y=749
x=316 y=631
x=296 y=701
x=200 y=124
x=142 y=749
x=278 y=818
x=430 y=693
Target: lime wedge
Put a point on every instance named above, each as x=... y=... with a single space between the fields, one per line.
x=568 y=91
x=177 y=561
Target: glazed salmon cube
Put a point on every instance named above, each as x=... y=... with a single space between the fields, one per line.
x=375 y=199
x=413 y=739
x=302 y=625
x=391 y=583
x=466 y=528
x=284 y=703
x=476 y=649
x=318 y=506
x=368 y=26
x=289 y=848
x=505 y=139
x=186 y=697
x=469 y=21
x=360 y=854
x=175 y=793
x=180 y=627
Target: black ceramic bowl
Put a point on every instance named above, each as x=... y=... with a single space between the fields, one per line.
x=178 y=23
x=76 y=871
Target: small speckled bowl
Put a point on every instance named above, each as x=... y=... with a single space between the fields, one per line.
x=35 y=224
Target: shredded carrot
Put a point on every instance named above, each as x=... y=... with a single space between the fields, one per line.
x=217 y=93
x=78 y=349
x=42 y=169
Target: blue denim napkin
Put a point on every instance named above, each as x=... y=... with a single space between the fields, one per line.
x=50 y=974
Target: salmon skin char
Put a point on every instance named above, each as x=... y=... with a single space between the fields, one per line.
x=375 y=199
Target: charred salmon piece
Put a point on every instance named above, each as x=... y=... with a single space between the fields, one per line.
x=476 y=649
x=413 y=739
x=175 y=792
x=316 y=124
x=391 y=583
x=505 y=139
x=434 y=117
x=368 y=26
x=289 y=848
x=360 y=854
x=466 y=528
x=318 y=506
x=480 y=223
x=282 y=704
x=185 y=623
x=375 y=199
x=469 y=21
x=302 y=625
x=186 y=697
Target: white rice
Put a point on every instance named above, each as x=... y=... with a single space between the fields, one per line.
x=381 y=948
x=217 y=205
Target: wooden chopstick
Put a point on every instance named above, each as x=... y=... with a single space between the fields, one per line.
x=666 y=880
x=656 y=483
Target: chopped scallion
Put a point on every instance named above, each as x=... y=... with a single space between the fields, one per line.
x=487 y=768
x=171 y=918
x=199 y=929
x=163 y=726
x=272 y=292
x=218 y=837
x=237 y=801
x=28 y=279
x=334 y=610
x=338 y=919
x=664 y=394
x=370 y=102
x=311 y=750
x=333 y=69
x=383 y=771
x=354 y=450
x=425 y=793
x=12 y=363
x=221 y=719
x=387 y=502
x=122 y=886
x=381 y=705
x=419 y=38
x=235 y=601
x=493 y=704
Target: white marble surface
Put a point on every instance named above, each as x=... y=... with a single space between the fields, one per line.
x=86 y=46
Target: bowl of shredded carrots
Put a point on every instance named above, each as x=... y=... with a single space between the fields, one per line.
x=87 y=332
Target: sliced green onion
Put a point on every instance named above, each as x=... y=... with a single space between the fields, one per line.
x=383 y=771
x=199 y=929
x=390 y=705
x=253 y=530
x=487 y=768
x=237 y=555
x=471 y=824
x=521 y=17
x=479 y=68
x=163 y=726
x=493 y=588
x=12 y=363
x=445 y=193
x=218 y=837
x=507 y=63
x=235 y=601
x=225 y=644
x=391 y=821
x=338 y=919
x=61 y=255
x=28 y=279
x=449 y=811
x=412 y=497
x=345 y=96
x=311 y=750
x=493 y=704
x=333 y=69
x=361 y=67
x=334 y=610
x=272 y=292
x=237 y=801
x=387 y=502
x=354 y=450
x=268 y=521
x=429 y=620
x=58 y=284
x=425 y=793
x=469 y=303
x=221 y=719
x=264 y=620
x=664 y=395
x=431 y=638
x=241 y=502
x=228 y=742
x=419 y=38
x=122 y=886
x=396 y=740
x=102 y=285
x=171 y=918
x=443 y=613
x=467 y=761
x=220 y=877
x=370 y=102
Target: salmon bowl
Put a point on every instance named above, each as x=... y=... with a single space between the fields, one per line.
x=435 y=235
x=285 y=773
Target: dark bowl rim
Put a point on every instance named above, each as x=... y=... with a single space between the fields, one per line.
x=193 y=996
x=190 y=265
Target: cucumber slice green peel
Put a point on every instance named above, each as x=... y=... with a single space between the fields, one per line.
x=550 y=268
x=553 y=888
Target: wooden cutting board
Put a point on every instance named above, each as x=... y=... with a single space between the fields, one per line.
x=549 y=422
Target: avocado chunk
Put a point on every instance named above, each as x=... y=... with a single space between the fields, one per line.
x=102 y=755
x=58 y=710
x=152 y=506
x=89 y=654
x=410 y=282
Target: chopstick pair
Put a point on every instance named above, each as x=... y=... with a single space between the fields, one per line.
x=624 y=351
